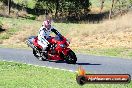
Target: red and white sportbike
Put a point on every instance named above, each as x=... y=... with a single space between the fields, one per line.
x=57 y=49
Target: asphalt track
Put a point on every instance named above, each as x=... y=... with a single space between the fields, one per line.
x=93 y=64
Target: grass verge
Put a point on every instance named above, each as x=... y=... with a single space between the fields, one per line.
x=112 y=52
x=16 y=75
x=7 y=34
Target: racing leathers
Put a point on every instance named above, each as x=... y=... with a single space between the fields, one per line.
x=43 y=36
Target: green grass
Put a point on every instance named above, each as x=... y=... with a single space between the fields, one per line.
x=8 y=33
x=112 y=52
x=12 y=31
x=16 y=75
x=130 y=54
x=4 y=36
x=15 y=25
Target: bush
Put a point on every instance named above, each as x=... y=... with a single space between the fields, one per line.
x=30 y=16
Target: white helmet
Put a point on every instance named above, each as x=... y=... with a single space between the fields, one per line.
x=47 y=24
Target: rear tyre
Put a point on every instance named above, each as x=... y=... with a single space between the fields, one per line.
x=71 y=58
x=39 y=56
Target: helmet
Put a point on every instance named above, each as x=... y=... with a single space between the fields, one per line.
x=47 y=24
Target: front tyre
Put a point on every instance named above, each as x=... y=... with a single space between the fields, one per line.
x=35 y=53
x=71 y=58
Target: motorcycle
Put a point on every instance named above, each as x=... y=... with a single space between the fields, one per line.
x=57 y=49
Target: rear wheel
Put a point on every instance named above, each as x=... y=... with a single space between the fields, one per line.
x=71 y=58
x=38 y=55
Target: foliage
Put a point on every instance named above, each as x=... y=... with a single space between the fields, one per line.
x=130 y=1
x=63 y=7
x=30 y=16
x=73 y=6
x=26 y=3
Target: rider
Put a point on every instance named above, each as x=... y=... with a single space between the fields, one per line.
x=44 y=33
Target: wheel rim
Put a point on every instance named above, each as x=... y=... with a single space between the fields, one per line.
x=70 y=59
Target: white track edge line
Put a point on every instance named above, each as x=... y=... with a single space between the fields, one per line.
x=41 y=66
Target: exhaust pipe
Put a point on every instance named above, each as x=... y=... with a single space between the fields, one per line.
x=30 y=44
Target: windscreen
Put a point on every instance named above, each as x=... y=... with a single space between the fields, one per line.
x=58 y=38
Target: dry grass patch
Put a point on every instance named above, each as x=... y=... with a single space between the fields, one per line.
x=109 y=34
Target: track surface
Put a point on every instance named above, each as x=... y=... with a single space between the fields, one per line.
x=93 y=64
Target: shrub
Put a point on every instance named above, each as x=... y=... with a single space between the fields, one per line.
x=30 y=16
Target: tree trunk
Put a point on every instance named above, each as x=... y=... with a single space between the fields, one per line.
x=9 y=6
x=102 y=5
x=112 y=5
x=57 y=8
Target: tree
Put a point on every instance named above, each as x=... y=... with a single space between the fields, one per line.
x=110 y=12
x=119 y=7
x=8 y=3
x=9 y=6
x=102 y=5
x=57 y=8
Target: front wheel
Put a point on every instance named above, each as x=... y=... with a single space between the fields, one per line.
x=71 y=58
